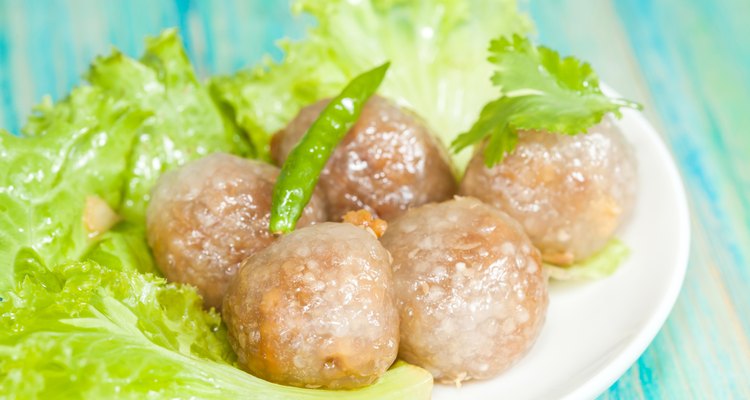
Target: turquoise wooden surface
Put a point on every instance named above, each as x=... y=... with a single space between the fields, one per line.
x=688 y=61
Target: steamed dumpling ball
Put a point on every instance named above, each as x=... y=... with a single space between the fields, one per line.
x=315 y=309
x=209 y=215
x=470 y=289
x=388 y=161
x=570 y=193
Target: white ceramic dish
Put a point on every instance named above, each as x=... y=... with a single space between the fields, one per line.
x=596 y=330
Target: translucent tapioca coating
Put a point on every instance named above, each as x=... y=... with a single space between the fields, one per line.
x=388 y=162
x=315 y=309
x=206 y=217
x=570 y=193
x=470 y=289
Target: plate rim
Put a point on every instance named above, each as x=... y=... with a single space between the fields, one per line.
x=638 y=344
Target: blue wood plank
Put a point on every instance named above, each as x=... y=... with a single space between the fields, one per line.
x=689 y=58
x=703 y=92
x=63 y=36
x=7 y=104
x=692 y=58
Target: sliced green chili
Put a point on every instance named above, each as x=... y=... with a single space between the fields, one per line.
x=302 y=168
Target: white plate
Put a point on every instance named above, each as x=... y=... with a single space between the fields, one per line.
x=596 y=330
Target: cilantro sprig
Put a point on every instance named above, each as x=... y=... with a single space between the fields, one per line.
x=539 y=90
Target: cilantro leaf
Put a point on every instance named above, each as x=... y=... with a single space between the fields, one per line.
x=539 y=90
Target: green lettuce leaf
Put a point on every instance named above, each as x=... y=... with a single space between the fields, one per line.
x=539 y=91
x=123 y=248
x=83 y=331
x=111 y=139
x=437 y=49
x=600 y=265
x=185 y=123
x=44 y=179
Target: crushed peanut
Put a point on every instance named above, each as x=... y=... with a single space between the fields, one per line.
x=364 y=219
x=98 y=216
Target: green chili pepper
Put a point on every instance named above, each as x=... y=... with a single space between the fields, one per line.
x=302 y=168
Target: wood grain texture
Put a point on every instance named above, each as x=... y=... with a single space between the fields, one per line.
x=688 y=61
